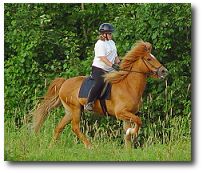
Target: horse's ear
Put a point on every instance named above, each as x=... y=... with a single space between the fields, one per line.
x=148 y=47
x=145 y=48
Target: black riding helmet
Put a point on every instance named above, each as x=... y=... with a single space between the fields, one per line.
x=106 y=27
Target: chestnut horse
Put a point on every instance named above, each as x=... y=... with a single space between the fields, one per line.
x=127 y=88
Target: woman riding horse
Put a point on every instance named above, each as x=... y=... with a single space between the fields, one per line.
x=105 y=60
x=127 y=88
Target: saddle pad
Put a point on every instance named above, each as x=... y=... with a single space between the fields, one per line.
x=87 y=85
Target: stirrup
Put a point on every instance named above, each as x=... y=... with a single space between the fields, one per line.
x=138 y=113
x=89 y=106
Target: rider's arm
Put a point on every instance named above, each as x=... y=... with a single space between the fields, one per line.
x=117 y=60
x=105 y=60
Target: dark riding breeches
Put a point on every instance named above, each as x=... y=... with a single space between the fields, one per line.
x=99 y=84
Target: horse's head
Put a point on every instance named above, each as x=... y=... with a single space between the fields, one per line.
x=151 y=65
x=138 y=60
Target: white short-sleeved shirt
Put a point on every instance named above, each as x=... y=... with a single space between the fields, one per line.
x=104 y=48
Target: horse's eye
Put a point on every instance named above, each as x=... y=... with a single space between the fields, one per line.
x=149 y=59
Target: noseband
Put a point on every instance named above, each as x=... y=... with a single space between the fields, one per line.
x=157 y=69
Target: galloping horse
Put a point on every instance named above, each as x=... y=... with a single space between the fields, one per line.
x=127 y=88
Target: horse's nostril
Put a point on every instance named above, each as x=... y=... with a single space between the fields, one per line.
x=164 y=70
x=162 y=73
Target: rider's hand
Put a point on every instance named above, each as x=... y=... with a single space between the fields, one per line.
x=116 y=67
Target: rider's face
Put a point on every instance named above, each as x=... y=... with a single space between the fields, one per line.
x=108 y=35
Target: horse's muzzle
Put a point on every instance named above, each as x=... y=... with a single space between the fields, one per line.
x=162 y=72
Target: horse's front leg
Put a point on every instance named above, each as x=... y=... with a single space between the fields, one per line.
x=129 y=118
x=127 y=137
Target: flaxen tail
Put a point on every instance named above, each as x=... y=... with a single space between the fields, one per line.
x=51 y=100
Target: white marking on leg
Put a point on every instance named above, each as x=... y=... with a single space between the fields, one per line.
x=128 y=132
x=133 y=131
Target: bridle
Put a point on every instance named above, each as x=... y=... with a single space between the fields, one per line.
x=147 y=63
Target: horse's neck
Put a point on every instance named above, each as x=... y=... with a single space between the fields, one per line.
x=136 y=84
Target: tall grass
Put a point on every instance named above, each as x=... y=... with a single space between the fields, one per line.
x=164 y=136
x=23 y=145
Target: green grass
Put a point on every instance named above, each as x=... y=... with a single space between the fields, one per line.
x=22 y=145
x=164 y=136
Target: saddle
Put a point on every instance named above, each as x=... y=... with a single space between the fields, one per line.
x=105 y=93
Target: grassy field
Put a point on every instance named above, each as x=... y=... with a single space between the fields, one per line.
x=161 y=138
x=23 y=145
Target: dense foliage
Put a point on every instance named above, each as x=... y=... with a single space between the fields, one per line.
x=45 y=41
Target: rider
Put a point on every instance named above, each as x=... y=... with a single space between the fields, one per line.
x=105 y=60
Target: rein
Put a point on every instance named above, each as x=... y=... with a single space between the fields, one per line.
x=145 y=73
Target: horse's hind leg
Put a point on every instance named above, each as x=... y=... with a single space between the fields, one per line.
x=76 y=112
x=64 y=121
x=59 y=128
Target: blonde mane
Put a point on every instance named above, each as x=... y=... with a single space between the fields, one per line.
x=140 y=49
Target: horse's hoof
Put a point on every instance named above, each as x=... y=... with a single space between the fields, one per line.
x=89 y=146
